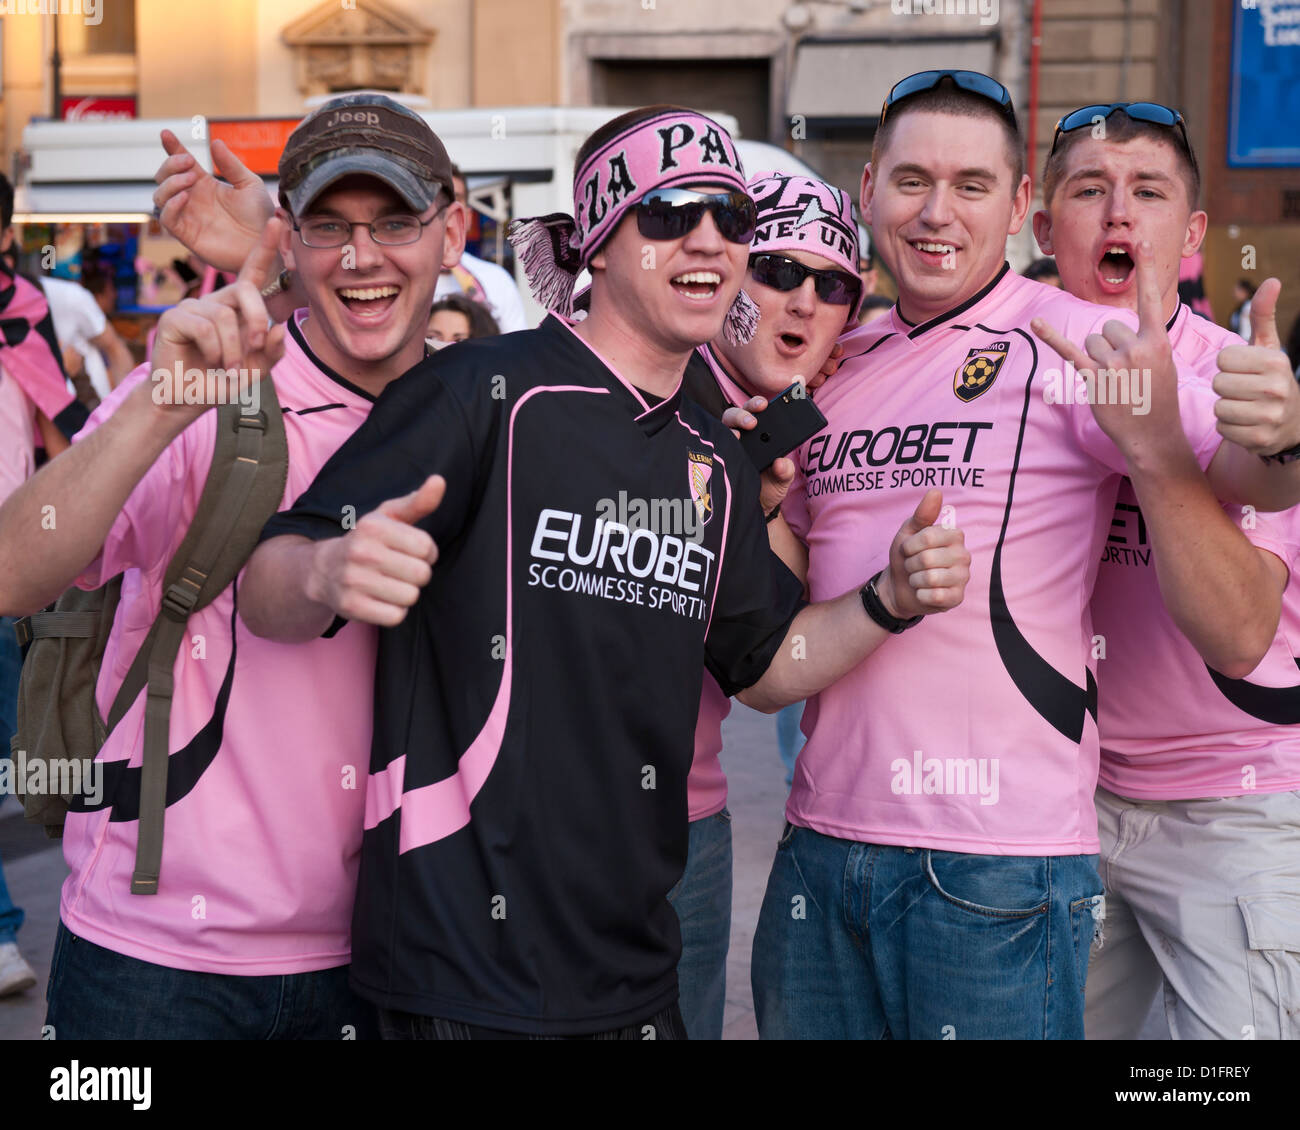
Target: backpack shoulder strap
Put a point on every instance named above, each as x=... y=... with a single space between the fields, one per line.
x=243 y=489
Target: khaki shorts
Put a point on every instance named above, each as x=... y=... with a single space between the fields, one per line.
x=1202 y=930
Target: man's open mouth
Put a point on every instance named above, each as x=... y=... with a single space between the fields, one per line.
x=791 y=342
x=698 y=285
x=934 y=251
x=368 y=301
x=1116 y=264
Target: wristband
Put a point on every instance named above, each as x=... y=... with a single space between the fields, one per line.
x=1290 y=455
x=880 y=614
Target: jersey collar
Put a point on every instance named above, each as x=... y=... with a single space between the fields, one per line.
x=914 y=331
x=649 y=417
x=295 y=331
x=732 y=391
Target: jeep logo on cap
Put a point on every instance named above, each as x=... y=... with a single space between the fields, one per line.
x=353 y=117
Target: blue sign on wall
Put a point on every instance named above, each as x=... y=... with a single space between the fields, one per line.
x=1264 y=103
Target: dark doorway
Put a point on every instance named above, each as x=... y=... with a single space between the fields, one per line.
x=740 y=87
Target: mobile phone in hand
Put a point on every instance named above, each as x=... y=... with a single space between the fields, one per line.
x=788 y=421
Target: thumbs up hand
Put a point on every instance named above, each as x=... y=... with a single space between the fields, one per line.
x=1259 y=400
x=929 y=565
x=375 y=572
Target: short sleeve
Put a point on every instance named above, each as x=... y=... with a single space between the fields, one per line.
x=1278 y=533
x=432 y=421
x=153 y=520
x=756 y=597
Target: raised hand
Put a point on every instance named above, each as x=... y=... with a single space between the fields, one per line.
x=829 y=367
x=929 y=565
x=774 y=483
x=220 y=223
x=1146 y=379
x=375 y=572
x=212 y=350
x=1259 y=400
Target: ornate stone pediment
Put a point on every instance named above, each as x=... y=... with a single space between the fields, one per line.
x=360 y=44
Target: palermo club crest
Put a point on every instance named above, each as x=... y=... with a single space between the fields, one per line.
x=699 y=470
x=980 y=369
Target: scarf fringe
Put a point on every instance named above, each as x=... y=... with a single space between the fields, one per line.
x=742 y=320
x=551 y=261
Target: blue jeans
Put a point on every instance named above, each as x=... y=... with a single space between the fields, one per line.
x=97 y=994
x=11 y=666
x=789 y=738
x=702 y=899
x=864 y=941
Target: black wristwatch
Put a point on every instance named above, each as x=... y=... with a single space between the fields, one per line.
x=880 y=614
x=1290 y=455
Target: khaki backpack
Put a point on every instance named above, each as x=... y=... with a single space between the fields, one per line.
x=58 y=719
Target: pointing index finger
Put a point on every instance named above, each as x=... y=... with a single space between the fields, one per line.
x=258 y=265
x=1058 y=342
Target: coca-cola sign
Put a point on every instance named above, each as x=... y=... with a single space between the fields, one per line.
x=97 y=108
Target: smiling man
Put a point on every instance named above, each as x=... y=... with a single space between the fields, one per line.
x=937 y=875
x=1199 y=700
x=539 y=678
x=247 y=932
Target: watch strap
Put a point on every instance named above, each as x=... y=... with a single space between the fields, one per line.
x=880 y=614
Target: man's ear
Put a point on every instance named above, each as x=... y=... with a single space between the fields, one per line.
x=866 y=190
x=286 y=238
x=1020 y=204
x=1197 y=223
x=453 y=235
x=1043 y=231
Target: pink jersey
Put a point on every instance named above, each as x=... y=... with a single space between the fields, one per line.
x=706 y=786
x=17 y=451
x=270 y=742
x=1171 y=729
x=974 y=731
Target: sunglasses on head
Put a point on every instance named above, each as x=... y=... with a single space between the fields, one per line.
x=972 y=81
x=1139 y=111
x=837 y=288
x=669 y=213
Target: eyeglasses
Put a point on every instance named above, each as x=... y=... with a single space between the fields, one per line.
x=972 y=81
x=389 y=231
x=1139 y=111
x=837 y=288
x=669 y=213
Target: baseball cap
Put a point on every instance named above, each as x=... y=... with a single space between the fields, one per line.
x=363 y=133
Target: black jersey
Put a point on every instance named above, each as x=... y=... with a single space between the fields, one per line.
x=535 y=711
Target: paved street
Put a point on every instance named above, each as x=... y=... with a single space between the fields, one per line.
x=34 y=870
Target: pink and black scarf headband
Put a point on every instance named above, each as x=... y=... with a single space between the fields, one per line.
x=674 y=149
x=802 y=214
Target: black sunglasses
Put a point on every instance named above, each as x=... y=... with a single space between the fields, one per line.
x=1152 y=112
x=669 y=213
x=972 y=81
x=837 y=288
